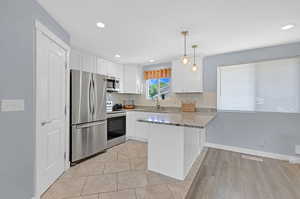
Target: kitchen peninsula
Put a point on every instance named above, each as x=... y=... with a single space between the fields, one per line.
x=175 y=140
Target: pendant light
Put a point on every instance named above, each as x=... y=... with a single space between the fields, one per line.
x=194 y=68
x=184 y=59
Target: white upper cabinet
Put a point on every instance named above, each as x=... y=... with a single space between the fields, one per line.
x=83 y=61
x=119 y=71
x=108 y=68
x=120 y=76
x=132 y=79
x=111 y=69
x=184 y=80
x=90 y=63
x=75 y=60
x=101 y=66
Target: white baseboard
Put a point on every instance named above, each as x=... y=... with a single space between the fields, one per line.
x=291 y=159
x=67 y=165
x=295 y=160
x=136 y=138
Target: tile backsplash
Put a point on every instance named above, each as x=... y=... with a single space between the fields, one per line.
x=202 y=100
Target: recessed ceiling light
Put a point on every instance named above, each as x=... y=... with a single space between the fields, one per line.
x=151 y=60
x=287 y=27
x=117 y=56
x=100 y=25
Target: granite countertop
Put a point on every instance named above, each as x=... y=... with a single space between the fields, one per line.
x=194 y=120
x=152 y=109
x=155 y=110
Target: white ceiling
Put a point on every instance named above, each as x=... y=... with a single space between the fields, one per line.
x=140 y=30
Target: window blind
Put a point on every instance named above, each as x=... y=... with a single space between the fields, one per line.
x=157 y=74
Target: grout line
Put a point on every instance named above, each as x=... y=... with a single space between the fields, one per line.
x=170 y=191
x=82 y=188
x=117 y=181
x=135 y=193
x=86 y=177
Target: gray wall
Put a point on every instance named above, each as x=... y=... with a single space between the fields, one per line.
x=17 y=82
x=269 y=132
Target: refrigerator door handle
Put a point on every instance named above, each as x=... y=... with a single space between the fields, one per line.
x=94 y=95
x=89 y=96
x=81 y=126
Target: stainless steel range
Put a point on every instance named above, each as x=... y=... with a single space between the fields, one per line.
x=116 y=128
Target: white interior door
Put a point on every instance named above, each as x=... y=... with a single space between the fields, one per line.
x=51 y=81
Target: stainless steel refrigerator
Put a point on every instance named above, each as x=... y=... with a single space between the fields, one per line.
x=88 y=115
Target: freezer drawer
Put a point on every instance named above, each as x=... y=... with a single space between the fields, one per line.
x=88 y=139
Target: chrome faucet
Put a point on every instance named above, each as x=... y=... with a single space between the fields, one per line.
x=157 y=103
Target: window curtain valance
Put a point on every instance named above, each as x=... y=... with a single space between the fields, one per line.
x=157 y=74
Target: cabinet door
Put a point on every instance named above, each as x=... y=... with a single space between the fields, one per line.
x=111 y=69
x=101 y=67
x=184 y=80
x=119 y=71
x=141 y=132
x=139 y=80
x=130 y=124
x=93 y=64
x=75 y=60
x=85 y=62
x=196 y=78
x=120 y=76
x=129 y=83
x=132 y=82
x=89 y=63
x=178 y=75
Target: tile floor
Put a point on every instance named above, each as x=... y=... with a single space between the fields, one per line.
x=120 y=173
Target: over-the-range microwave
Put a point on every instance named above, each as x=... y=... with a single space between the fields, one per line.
x=112 y=84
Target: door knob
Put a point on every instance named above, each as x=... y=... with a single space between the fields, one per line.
x=46 y=122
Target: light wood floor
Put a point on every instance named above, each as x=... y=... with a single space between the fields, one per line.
x=226 y=175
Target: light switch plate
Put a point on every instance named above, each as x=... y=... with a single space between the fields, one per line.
x=12 y=105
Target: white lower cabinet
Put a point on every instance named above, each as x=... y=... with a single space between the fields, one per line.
x=140 y=131
x=137 y=130
x=130 y=125
x=172 y=150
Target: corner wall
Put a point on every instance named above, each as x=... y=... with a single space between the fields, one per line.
x=17 y=74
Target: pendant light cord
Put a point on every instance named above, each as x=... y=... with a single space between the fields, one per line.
x=194 y=56
x=184 y=44
x=194 y=47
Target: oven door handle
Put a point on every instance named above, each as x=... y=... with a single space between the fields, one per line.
x=116 y=115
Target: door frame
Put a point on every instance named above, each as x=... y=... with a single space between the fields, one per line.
x=39 y=27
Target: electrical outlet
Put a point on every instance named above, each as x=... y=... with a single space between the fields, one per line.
x=297 y=149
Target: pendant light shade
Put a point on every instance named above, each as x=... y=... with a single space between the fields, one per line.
x=194 y=68
x=185 y=59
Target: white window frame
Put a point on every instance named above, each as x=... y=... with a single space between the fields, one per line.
x=148 y=84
